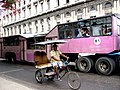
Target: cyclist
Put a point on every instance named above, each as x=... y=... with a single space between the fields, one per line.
x=55 y=59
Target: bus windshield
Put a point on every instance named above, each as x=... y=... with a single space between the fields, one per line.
x=86 y=28
x=11 y=41
x=31 y=41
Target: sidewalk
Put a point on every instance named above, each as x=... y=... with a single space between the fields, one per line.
x=10 y=85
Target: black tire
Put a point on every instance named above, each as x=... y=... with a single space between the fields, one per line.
x=105 y=65
x=13 y=58
x=85 y=64
x=73 y=80
x=8 y=57
x=39 y=76
x=50 y=69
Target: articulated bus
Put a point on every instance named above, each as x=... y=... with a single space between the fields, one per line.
x=20 y=47
x=91 y=43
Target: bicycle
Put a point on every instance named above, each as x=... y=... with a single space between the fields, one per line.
x=47 y=71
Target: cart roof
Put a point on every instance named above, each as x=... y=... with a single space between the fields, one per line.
x=32 y=35
x=51 y=42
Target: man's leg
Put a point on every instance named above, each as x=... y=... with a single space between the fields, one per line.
x=56 y=70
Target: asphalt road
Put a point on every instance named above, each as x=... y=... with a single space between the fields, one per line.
x=24 y=75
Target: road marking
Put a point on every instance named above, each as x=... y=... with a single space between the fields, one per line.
x=11 y=71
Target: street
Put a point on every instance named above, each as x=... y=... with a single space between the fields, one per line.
x=23 y=74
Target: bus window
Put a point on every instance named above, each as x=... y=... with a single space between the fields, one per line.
x=11 y=41
x=96 y=30
x=83 y=29
x=31 y=41
x=61 y=35
x=85 y=32
x=69 y=34
x=118 y=27
x=101 y=26
x=78 y=32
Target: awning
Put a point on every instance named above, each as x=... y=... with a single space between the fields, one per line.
x=51 y=42
x=32 y=35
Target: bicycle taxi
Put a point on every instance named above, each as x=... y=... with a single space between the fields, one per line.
x=45 y=69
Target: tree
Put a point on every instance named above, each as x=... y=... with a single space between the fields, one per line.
x=8 y=4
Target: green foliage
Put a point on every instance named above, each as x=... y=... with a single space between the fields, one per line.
x=8 y=4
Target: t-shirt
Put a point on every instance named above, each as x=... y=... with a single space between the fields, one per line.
x=55 y=54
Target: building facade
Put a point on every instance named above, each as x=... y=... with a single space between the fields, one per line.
x=40 y=16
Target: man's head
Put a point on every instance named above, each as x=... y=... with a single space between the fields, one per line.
x=55 y=47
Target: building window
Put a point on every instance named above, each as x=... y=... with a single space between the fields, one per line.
x=4 y=32
x=48 y=3
x=58 y=2
x=108 y=8
x=79 y=14
x=67 y=1
x=42 y=25
x=23 y=12
x=19 y=29
x=93 y=11
x=15 y=30
x=67 y=14
x=24 y=28
x=30 y=28
x=24 y=2
x=36 y=7
x=19 y=4
x=19 y=13
x=7 y=18
x=108 y=5
x=57 y=17
x=41 y=6
x=48 y=21
x=36 y=26
x=29 y=8
x=8 y=31
x=11 y=31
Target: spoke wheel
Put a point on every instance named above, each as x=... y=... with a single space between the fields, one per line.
x=74 y=80
x=50 y=70
x=64 y=71
x=39 y=76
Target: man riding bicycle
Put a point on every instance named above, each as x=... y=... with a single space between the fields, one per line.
x=55 y=59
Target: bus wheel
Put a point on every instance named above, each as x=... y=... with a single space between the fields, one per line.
x=105 y=65
x=7 y=57
x=13 y=57
x=85 y=64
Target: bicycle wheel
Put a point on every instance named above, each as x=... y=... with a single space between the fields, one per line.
x=39 y=76
x=73 y=80
x=52 y=76
x=64 y=71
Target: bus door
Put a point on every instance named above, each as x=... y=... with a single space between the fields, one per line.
x=1 y=49
x=22 y=50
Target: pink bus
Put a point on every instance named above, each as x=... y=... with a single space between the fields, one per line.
x=91 y=43
x=20 y=47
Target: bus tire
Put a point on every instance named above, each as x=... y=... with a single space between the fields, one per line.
x=85 y=64
x=7 y=56
x=105 y=65
x=13 y=58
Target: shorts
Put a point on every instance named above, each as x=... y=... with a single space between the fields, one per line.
x=57 y=63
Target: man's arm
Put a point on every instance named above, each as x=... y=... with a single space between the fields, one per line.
x=55 y=58
x=64 y=56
